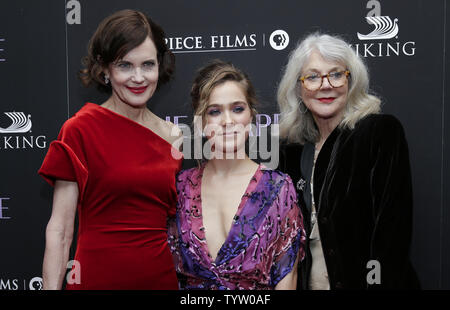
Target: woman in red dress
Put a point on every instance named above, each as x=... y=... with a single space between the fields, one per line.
x=114 y=164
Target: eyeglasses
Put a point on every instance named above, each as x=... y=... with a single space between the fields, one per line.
x=313 y=82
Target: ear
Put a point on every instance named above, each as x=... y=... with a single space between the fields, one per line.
x=106 y=72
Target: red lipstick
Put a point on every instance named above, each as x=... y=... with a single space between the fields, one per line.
x=327 y=100
x=137 y=90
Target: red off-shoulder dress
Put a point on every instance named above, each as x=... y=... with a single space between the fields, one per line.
x=126 y=178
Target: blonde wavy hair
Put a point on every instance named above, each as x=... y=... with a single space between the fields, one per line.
x=298 y=127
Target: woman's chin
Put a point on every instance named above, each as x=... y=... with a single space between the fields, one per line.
x=229 y=151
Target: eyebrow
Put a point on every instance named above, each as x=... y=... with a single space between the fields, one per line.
x=129 y=61
x=318 y=71
x=216 y=105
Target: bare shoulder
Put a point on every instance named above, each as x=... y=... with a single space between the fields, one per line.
x=169 y=131
x=174 y=129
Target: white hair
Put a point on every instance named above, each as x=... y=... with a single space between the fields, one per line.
x=299 y=127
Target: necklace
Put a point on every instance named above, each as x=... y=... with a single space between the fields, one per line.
x=313 y=209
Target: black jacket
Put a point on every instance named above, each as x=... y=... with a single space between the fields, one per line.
x=363 y=195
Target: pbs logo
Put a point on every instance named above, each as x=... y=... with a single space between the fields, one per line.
x=279 y=40
x=35 y=284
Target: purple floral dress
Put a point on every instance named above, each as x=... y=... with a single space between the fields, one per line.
x=261 y=247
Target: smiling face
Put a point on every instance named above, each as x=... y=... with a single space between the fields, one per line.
x=327 y=102
x=134 y=77
x=227 y=117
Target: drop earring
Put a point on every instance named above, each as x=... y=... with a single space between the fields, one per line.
x=106 y=79
x=300 y=104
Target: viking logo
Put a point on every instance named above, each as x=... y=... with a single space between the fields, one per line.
x=20 y=123
x=384 y=28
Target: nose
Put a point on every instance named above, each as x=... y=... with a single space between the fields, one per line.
x=137 y=76
x=325 y=83
x=227 y=119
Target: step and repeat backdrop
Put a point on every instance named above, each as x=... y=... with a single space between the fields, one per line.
x=42 y=44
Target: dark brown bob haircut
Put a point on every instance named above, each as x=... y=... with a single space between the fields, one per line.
x=117 y=35
x=213 y=74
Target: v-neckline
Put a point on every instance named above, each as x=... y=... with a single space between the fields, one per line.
x=240 y=207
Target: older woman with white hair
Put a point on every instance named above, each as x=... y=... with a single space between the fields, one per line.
x=351 y=167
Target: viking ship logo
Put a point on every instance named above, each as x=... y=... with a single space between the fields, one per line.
x=20 y=123
x=384 y=28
